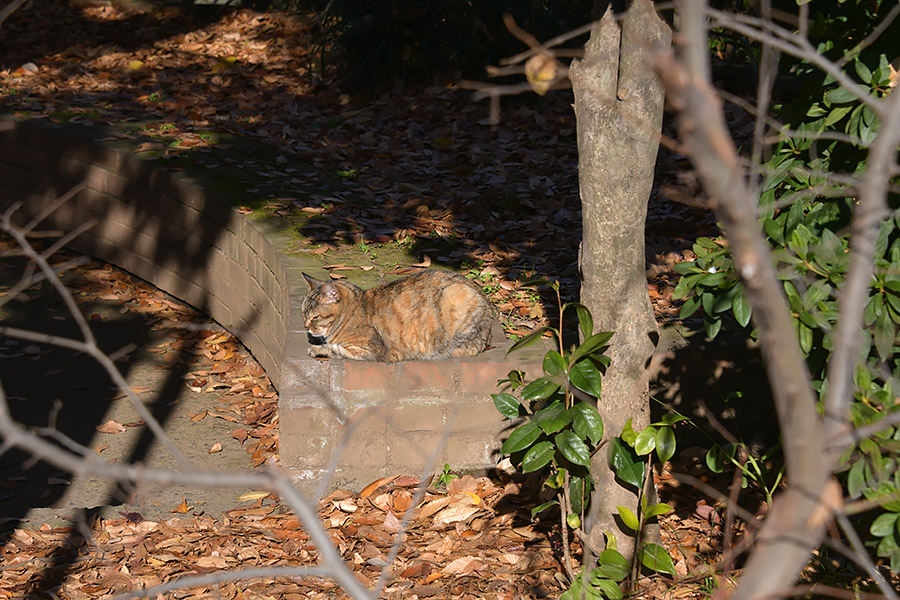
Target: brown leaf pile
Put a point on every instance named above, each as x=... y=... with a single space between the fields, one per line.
x=456 y=544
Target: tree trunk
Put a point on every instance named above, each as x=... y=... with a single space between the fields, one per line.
x=618 y=108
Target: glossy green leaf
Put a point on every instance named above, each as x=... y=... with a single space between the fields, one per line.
x=793 y=297
x=645 y=442
x=542 y=507
x=539 y=389
x=628 y=433
x=554 y=364
x=579 y=489
x=805 y=336
x=856 y=481
x=689 y=307
x=655 y=557
x=885 y=334
x=556 y=479
x=658 y=509
x=868 y=128
x=837 y=113
x=672 y=418
x=713 y=460
x=684 y=268
x=528 y=340
x=538 y=456
x=840 y=96
x=626 y=464
x=712 y=327
x=610 y=589
x=775 y=230
x=865 y=74
x=665 y=443
x=580 y=591
x=523 y=437
x=507 y=404
x=585 y=321
x=573 y=448
x=887 y=546
x=740 y=306
x=712 y=280
x=708 y=302
x=586 y=422
x=611 y=543
x=884 y=524
x=591 y=345
x=629 y=519
x=586 y=377
x=552 y=418
x=613 y=565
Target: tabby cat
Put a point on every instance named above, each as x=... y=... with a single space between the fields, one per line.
x=426 y=316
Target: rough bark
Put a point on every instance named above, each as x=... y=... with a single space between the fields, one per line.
x=618 y=108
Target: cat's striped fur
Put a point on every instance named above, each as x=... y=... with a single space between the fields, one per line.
x=425 y=316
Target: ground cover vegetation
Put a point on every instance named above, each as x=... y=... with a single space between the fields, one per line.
x=422 y=169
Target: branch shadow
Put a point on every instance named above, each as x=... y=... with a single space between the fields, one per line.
x=84 y=391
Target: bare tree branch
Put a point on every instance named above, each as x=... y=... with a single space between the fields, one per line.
x=10 y=9
x=89 y=345
x=867 y=217
x=789 y=531
x=867 y=41
x=221 y=577
x=861 y=557
x=789 y=43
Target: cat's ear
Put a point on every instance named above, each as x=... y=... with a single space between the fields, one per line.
x=330 y=294
x=312 y=282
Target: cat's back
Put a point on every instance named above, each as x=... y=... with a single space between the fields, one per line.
x=433 y=314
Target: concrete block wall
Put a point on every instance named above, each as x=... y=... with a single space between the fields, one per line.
x=368 y=419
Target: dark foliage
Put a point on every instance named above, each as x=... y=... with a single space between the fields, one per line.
x=372 y=42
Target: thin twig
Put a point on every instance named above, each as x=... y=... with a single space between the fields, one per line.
x=797 y=46
x=860 y=556
x=867 y=217
x=427 y=470
x=10 y=9
x=734 y=491
x=869 y=39
x=221 y=577
x=51 y=208
x=712 y=492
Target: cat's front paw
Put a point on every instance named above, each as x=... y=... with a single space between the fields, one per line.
x=319 y=352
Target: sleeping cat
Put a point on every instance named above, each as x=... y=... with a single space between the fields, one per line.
x=426 y=316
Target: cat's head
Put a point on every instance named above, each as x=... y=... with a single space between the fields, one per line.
x=321 y=307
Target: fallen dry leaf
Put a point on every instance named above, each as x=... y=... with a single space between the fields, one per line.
x=251 y=496
x=111 y=426
x=369 y=489
x=455 y=513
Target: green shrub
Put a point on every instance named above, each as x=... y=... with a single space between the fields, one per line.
x=806 y=197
